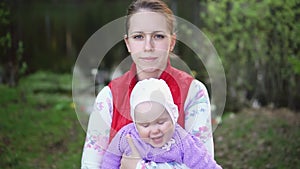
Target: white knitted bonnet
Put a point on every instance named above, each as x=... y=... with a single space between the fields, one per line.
x=155 y=90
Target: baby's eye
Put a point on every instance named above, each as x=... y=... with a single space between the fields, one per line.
x=161 y=122
x=145 y=125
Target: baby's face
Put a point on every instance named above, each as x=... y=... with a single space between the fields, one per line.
x=153 y=123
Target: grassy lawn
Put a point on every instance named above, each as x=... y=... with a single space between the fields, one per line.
x=39 y=130
x=263 y=138
x=38 y=126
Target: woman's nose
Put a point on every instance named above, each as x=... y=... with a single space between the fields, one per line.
x=148 y=43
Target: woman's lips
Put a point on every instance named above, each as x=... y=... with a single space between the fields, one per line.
x=149 y=59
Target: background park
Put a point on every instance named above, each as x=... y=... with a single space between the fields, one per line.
x=257 y=41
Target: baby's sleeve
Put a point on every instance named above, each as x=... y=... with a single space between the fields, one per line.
x=196 y=155
x=113 y=155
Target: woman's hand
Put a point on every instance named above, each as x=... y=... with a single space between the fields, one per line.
x=131 y=161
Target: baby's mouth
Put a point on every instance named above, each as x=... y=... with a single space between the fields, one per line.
x=157 y=140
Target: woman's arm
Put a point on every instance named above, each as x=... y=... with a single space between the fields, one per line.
x=198 y=114
x=97 y=134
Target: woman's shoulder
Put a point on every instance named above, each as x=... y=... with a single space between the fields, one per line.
x=105 y=91
x=179 y=74
x=197 y=84
x=184 y=76
x=125 y=78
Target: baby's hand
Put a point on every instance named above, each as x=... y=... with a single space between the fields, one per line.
x=131 y=161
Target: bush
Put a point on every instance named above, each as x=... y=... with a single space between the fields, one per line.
x=257 y=42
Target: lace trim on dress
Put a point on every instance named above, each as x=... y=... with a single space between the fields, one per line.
x=168 y=145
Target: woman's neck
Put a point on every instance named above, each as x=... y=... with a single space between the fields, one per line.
x=146 y=75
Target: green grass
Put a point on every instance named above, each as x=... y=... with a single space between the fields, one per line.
x=39 y=130
x=262 y=138
x=38 y=126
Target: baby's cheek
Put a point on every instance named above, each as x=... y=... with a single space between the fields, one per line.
x=143 y=133
x=167 y=127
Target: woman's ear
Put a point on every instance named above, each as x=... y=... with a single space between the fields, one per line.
x=127 y=43
x=173 y=42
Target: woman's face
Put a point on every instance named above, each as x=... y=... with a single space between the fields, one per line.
x=149 y=41
x=153 y=123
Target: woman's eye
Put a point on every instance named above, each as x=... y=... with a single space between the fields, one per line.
x=159 y=36
x=138 y=37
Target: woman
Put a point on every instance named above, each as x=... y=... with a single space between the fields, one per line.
x=150 y=38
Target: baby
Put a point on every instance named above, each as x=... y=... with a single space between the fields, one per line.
x=155 y=132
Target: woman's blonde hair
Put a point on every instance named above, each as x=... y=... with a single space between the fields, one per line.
x=153 y=6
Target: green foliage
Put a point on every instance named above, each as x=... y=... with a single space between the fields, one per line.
x=12 y=65
x=295 y=62
x=38 y=125
x=258 y=44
